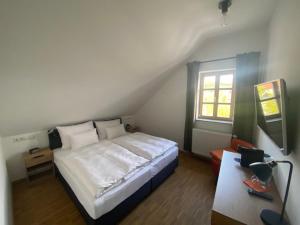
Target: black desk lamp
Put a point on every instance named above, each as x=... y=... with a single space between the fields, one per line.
x=263 y=171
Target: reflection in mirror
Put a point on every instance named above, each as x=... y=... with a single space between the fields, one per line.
x=271 y=111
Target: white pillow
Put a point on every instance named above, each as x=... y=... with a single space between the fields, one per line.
x=84 y=138
x=66 y=131
x=101 y=125
x=114 y=132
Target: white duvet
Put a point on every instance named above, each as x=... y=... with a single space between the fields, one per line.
x=147 y=146
x=102 y=166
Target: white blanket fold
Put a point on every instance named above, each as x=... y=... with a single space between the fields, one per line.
x=144 y=145
x=102 y=166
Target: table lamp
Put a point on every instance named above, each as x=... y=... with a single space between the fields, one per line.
x=263 y=171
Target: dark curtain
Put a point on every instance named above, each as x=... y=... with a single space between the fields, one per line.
x=247 y=70
x=192 y=77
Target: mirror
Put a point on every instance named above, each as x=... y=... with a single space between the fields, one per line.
x=270 y=98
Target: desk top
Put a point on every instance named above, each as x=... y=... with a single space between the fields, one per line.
x=232 y=203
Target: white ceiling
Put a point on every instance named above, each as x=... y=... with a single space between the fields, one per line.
x=69 y=60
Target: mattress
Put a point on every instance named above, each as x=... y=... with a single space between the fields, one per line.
x=162 y=161
x=98 y=207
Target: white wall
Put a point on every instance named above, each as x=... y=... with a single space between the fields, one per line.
x=164 y=113
x=5 y=192
x=283 y=62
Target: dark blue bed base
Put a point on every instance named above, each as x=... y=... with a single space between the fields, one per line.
x=120 y=211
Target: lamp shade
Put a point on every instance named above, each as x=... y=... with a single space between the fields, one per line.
x=262 y=170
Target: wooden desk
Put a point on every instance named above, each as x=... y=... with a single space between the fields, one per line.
x=232 y=204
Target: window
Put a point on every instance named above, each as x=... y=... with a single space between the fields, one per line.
x=216 y=95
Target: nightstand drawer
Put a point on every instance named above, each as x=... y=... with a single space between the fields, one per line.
x=44 y=155
x=36 y=160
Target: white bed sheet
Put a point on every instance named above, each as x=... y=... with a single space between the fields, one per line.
x=109 y=200
x=162 y=161
x=102 y=205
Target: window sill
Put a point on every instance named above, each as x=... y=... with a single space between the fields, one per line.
x=215 y=121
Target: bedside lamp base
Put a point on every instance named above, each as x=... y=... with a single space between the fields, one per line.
x=270 y=217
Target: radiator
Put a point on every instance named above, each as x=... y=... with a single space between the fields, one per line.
x=204 y=141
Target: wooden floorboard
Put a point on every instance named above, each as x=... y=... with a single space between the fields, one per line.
x=185 y=198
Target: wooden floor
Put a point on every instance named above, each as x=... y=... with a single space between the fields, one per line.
x=184 y=198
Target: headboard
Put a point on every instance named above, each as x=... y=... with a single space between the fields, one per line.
x=54 y=137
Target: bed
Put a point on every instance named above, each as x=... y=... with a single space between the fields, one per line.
x=112 y=206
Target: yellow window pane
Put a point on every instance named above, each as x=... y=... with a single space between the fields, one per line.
x=207 y=110
x=226 y=81
x=209 y=96
x=223 y=111
x=225 y=96
x=265 y=91
x=209 y=82
x=270 y=107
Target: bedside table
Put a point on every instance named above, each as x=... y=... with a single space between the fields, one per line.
x=38 y=162
x=133 y=129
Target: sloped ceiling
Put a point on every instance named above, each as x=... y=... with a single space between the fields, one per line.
x=70 y=60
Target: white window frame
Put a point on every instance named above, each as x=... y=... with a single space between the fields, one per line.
x=200 y=90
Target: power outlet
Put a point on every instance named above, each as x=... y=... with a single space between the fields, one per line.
x=18 y=139
x=24 y=138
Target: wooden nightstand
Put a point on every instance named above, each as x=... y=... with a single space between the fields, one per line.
x=132 y=129
x=38 y=162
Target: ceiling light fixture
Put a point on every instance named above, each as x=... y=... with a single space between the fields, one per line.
x=224 y=6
